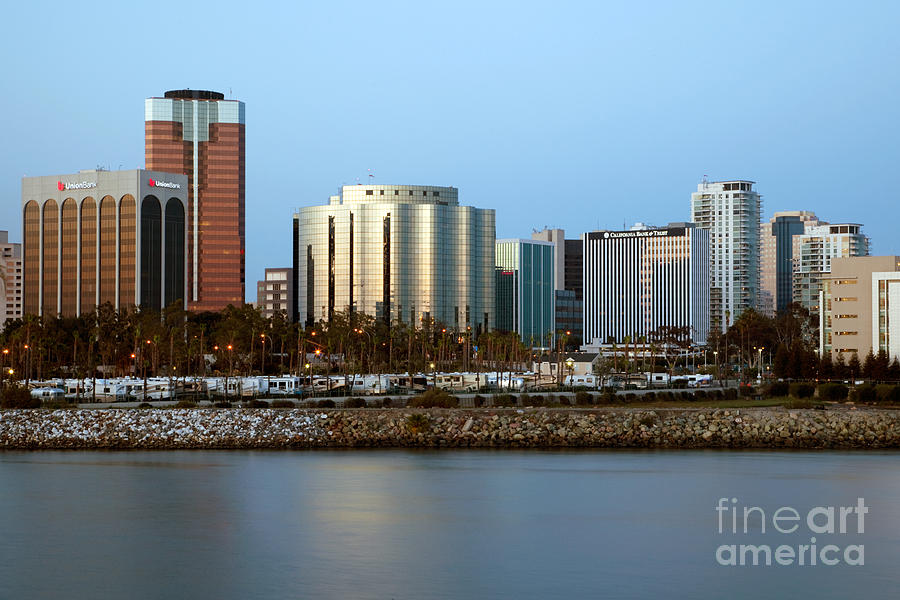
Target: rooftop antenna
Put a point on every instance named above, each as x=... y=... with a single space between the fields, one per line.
x=371 y=175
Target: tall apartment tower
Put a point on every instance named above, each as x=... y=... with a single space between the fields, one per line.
x=813 y=252
x=776 y=257
x=201 y=134
x=10 y=279
x=405 y=253
x=730 y=210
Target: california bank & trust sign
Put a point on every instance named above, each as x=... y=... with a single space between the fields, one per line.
x=650 y=233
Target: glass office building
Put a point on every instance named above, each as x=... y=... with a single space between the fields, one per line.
x=525 y=290
x=201 y=134
x=405 y=253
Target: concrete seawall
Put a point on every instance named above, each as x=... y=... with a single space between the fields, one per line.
x=448 y=428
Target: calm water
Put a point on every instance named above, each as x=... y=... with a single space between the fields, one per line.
x=415 y=524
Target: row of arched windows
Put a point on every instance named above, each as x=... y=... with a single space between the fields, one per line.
x=108 y=242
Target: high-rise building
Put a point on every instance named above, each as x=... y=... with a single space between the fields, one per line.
x=10 y=279
x=638 y=281
x=406 y=253
x=103 y=236
x=776 y=258
x=275 y=293
x=201 y=134
x=558 y=238
x=860 y=300
x=730 y=210
x=524 y=290
x=568 y=286
x=812 y=255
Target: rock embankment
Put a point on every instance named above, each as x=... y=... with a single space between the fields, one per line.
x=455 y=428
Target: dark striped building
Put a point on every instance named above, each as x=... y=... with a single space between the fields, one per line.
x=103 y=236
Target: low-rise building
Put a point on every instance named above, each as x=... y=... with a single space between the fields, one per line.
x=275 y=293
x=10 y=279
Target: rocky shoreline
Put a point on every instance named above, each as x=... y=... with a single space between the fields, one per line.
x=447 y=428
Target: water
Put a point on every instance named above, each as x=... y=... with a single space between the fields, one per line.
x=422 y=524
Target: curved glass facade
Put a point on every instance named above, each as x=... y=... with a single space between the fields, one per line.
x=408 y=253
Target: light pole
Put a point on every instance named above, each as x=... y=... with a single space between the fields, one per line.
x=716 y=359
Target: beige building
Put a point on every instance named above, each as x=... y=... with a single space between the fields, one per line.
x=10 y=279
x=860 y=302
x=275 y=293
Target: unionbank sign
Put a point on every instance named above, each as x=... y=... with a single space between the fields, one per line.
x=164 y=184
x=78 y=185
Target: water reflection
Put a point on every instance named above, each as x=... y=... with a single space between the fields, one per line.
x=420 y=524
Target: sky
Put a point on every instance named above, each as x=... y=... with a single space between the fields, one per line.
x=579 y=115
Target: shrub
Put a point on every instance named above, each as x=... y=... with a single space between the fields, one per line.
x=564 y=400
x=507 y=400
x=57 y=404
x=887 y=394
x=478 y=401
x=649 y=396
x=700 y=395
x=582 y=398
x=864 y=394
x=627 y=398
x=777 y=389
x=15 y=396
x=434 y=398
x=536 y=400
x=283 y=404
x=185 y=404
x=802 y=390
x=730 y=394
x=608 y=396
x=219 y=404
x=417 y=423
x=386 y=403
x=256 y=404
x=524 y=400
x=325 y=404
x=836 y=392
x=747 y=390
x=354 y=403
x=145 y=405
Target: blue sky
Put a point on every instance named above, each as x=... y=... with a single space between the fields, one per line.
x=570 y=114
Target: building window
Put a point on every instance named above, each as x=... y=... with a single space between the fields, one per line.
x=370 y=192
x=381 y=192
x=435 y=193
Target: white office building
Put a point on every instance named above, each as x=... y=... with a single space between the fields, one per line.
x=730 y=210
x=638 y=281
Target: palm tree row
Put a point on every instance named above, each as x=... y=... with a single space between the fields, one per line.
x=241 y=341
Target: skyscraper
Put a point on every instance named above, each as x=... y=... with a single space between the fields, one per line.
x=731 y=212
x=200 y=134
x=396 y=252
x=776 y=257
x=524 y=287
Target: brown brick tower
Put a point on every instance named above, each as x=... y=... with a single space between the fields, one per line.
x=201 y=134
